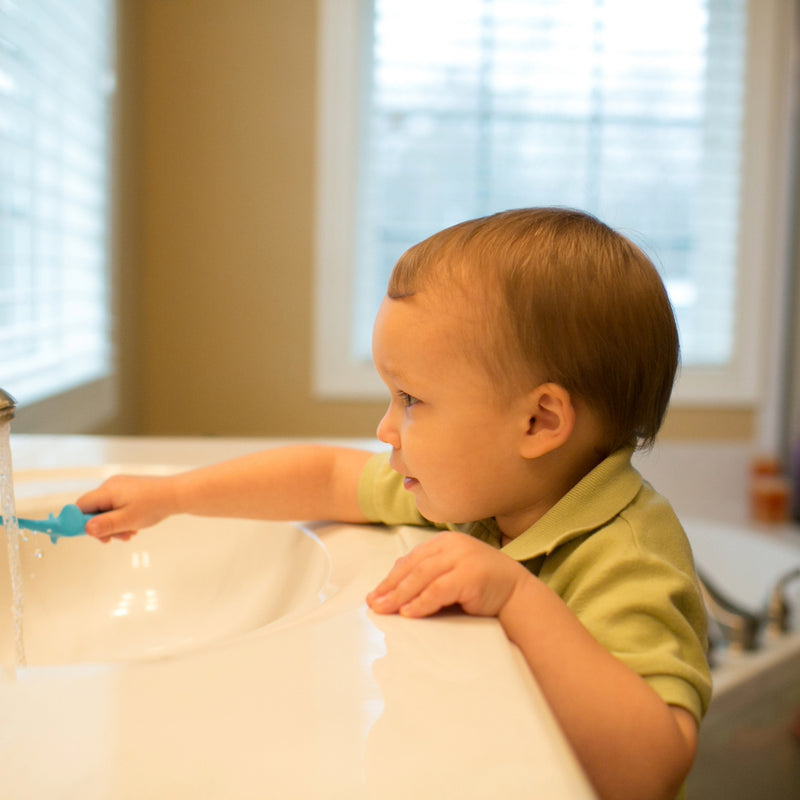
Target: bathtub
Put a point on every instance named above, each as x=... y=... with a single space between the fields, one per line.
x=750 y=739
x=748 y=746
x=236 y=659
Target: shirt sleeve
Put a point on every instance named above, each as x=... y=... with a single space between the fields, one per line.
x=643 y=605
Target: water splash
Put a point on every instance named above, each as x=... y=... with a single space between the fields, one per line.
x=9 y=514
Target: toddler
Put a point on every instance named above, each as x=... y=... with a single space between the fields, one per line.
x=527 y=355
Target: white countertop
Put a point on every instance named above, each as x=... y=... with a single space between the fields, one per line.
x=338 y=703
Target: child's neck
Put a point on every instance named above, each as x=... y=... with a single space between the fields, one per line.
x=551 y=477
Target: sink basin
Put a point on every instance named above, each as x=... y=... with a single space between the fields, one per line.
x=184 y=584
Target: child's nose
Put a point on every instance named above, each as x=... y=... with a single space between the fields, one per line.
x=387 y=430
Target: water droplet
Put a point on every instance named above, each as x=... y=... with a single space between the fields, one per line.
x=37 y=552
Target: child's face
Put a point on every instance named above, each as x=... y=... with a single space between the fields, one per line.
x=453 y=439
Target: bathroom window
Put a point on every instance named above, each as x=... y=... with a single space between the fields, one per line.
x=56 y=85
x=436 y=111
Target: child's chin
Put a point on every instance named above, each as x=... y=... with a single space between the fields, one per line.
x=435 y=515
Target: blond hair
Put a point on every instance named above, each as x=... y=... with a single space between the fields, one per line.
x=563 y=298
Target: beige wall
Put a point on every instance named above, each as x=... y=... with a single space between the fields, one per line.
x=226 y=200
x=215 y=234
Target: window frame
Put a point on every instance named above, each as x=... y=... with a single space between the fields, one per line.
x=764 y=211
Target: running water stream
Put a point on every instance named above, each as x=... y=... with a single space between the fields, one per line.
x=9 y=514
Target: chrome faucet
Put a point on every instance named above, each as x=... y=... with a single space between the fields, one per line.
x=8 y=406
x=739 y=626
x=777 y=608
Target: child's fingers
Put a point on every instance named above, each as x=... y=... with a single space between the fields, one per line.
x=109 y=524
x=124 y=505
x=450 y=569
x=95 y=501
x=401 y=568
x=410 y=578
x=395 y=575
x=435 y=596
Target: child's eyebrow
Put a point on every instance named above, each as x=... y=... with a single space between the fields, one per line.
x=385 y=369
x=394 y=376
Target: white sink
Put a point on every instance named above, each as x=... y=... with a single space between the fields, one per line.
x=186 y=583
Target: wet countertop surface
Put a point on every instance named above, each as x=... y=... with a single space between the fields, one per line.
x=331 y=702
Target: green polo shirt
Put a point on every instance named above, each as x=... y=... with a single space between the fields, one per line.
x=614 y=551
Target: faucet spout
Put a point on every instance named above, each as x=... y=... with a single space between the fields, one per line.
x=8 y=406
x=739 y=626
x=778 y=609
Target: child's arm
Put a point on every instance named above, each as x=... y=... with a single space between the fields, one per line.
x=301 y=482
x=631 y=744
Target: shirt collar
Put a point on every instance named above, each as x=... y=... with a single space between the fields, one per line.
x=591 y=503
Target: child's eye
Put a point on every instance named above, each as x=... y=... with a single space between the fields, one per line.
x=407 y=400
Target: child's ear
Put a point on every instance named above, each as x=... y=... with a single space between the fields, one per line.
x=551 y=420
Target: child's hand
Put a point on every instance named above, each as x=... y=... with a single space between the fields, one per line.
x=125 y=504
x=450 y=568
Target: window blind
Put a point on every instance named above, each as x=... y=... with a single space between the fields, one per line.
x=629 y=110
x=55 y=88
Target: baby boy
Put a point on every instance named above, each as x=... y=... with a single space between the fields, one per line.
x=527 y=355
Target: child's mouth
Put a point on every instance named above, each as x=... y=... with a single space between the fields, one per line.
x=410 y=483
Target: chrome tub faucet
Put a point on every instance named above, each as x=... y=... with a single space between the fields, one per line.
x=778 y=608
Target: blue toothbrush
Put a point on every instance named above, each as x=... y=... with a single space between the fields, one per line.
x=71 y=521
